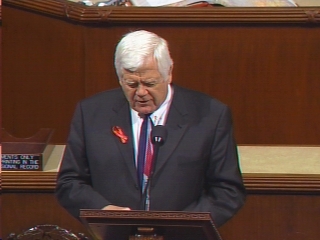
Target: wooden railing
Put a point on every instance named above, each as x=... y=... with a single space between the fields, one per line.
x=81 y=13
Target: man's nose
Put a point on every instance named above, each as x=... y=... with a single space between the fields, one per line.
x=141 y=90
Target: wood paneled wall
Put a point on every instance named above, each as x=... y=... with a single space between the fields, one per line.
x=263 y=63
x=277 y=207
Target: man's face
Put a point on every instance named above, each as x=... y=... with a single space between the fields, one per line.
x=145 y=89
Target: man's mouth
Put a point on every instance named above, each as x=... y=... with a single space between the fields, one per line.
x=143 y=102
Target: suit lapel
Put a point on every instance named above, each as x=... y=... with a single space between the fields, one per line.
x=176 y=125
x=122 y=119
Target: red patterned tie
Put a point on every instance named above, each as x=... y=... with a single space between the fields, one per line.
x=144 y=152
x=149 y=156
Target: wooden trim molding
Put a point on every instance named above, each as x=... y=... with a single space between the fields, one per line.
x=285 y=183
x=84 y=14
x=28 y=181
x=271 y=183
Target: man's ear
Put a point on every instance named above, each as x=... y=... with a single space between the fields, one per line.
x=170 y=74
x=119 y=80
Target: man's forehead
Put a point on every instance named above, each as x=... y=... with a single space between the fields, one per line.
x=145 y=73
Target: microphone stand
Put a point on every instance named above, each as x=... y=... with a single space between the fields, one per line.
x=158 y=137
x=153 y=165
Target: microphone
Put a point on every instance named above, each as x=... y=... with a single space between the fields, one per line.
x=158 y=137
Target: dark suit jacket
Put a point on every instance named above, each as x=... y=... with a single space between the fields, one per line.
x=197 y=167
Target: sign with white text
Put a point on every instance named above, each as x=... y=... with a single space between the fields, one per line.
x=24 y=162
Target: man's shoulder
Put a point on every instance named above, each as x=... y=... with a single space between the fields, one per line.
x=198 y=104
x=109 y=99
x=197 y=97
x=104 y=96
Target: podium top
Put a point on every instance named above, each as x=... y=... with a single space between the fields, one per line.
x=172 y=225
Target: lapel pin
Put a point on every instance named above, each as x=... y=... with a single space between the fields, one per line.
x=120 y=134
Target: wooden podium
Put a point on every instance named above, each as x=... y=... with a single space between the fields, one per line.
x=149 y=225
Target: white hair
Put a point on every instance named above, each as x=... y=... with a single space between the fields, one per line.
x=135 y=47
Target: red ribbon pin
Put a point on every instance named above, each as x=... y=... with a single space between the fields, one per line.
x=120 y=134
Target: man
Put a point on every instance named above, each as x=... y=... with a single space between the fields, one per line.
x=197 y=167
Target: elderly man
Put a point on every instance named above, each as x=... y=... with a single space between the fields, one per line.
x=104 y=166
